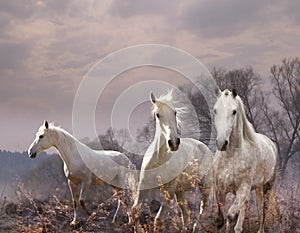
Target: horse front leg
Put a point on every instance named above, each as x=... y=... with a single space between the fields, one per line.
x=136 y=209
x=221 y=198
x=237 y=210
x=185 y=213
x=74 y=194
x=157 y=220
x=168 y=193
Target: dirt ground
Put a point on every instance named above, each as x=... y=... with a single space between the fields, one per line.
x=52 y=215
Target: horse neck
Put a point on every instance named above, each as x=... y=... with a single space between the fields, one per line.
x=236 y=137
x=160 y=143
x=66 y=146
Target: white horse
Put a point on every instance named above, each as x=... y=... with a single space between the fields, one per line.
x=76 y=171
x=172 y=164
x=245 y=161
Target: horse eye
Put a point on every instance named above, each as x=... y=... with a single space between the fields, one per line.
x=234 y=112
x=157 y=115
x=41 y=136
x=215 y=111
x=175 y=113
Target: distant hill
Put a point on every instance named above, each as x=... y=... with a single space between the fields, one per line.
x=39 y=175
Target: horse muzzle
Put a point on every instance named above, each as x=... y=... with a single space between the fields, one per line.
x=32 y=155
x=222 y=146
x=174 y=146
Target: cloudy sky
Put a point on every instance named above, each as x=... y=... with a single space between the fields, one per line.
x=47 y=46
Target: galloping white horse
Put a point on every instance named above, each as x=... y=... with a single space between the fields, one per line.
x=245 y=160
x=76 y=171
x=172 y=164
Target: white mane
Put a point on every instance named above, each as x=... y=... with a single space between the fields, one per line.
x=169 y=100
x=64 y=137
x=248 y=130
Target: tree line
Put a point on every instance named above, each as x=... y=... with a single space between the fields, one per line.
x=272 y=105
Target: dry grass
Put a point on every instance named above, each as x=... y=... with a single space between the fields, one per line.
x=54 y=215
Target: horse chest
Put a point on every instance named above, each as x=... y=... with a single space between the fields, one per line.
x=230 y=173
x=74 y=175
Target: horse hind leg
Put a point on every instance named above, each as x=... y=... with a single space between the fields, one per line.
x=259 y=197
x=205 y=202
x=125 y=199
x=267 y=191
x=116 y=213
x=83 y=192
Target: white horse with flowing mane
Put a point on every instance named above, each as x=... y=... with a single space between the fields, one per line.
x=172 y=164
x=245 y=161
x=76 y=171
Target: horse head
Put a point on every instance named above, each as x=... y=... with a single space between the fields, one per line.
x=166 y=117
x=43 y=140
x=225 y=113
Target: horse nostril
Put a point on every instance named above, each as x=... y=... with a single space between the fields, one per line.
x=170 y=143
x=226 y=143
x=178 y=141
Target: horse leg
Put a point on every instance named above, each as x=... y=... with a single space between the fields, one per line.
x=122 y=195
x=205 y=201
x=205 y=193
x=168 y=192
x=157 y=221
x=136 y=208
x=118 y=207
x=267 y=190
x=183 y=205
x=239 y=225
x=118 y=193
x=83 y=191
x=74 y=194
x=259 y=196
x=239 y=204
x=220 y=197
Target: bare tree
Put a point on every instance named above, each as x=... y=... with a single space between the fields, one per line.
x=283 y=123
x=200 y=125
x=146 y=134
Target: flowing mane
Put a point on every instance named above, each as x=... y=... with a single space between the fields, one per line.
x=64 y=137
x=168 y=99
x=248 y=130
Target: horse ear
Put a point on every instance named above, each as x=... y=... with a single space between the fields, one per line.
x=217 y=91
x=152 y=97
x=46 y=124
x=234 y=92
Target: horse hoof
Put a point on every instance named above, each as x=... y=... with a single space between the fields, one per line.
x=219 y=222
x=73 y=223
x=139 y=229
x=232 y=218
x=92 y=216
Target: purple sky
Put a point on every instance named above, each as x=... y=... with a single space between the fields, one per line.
x=46 y=48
